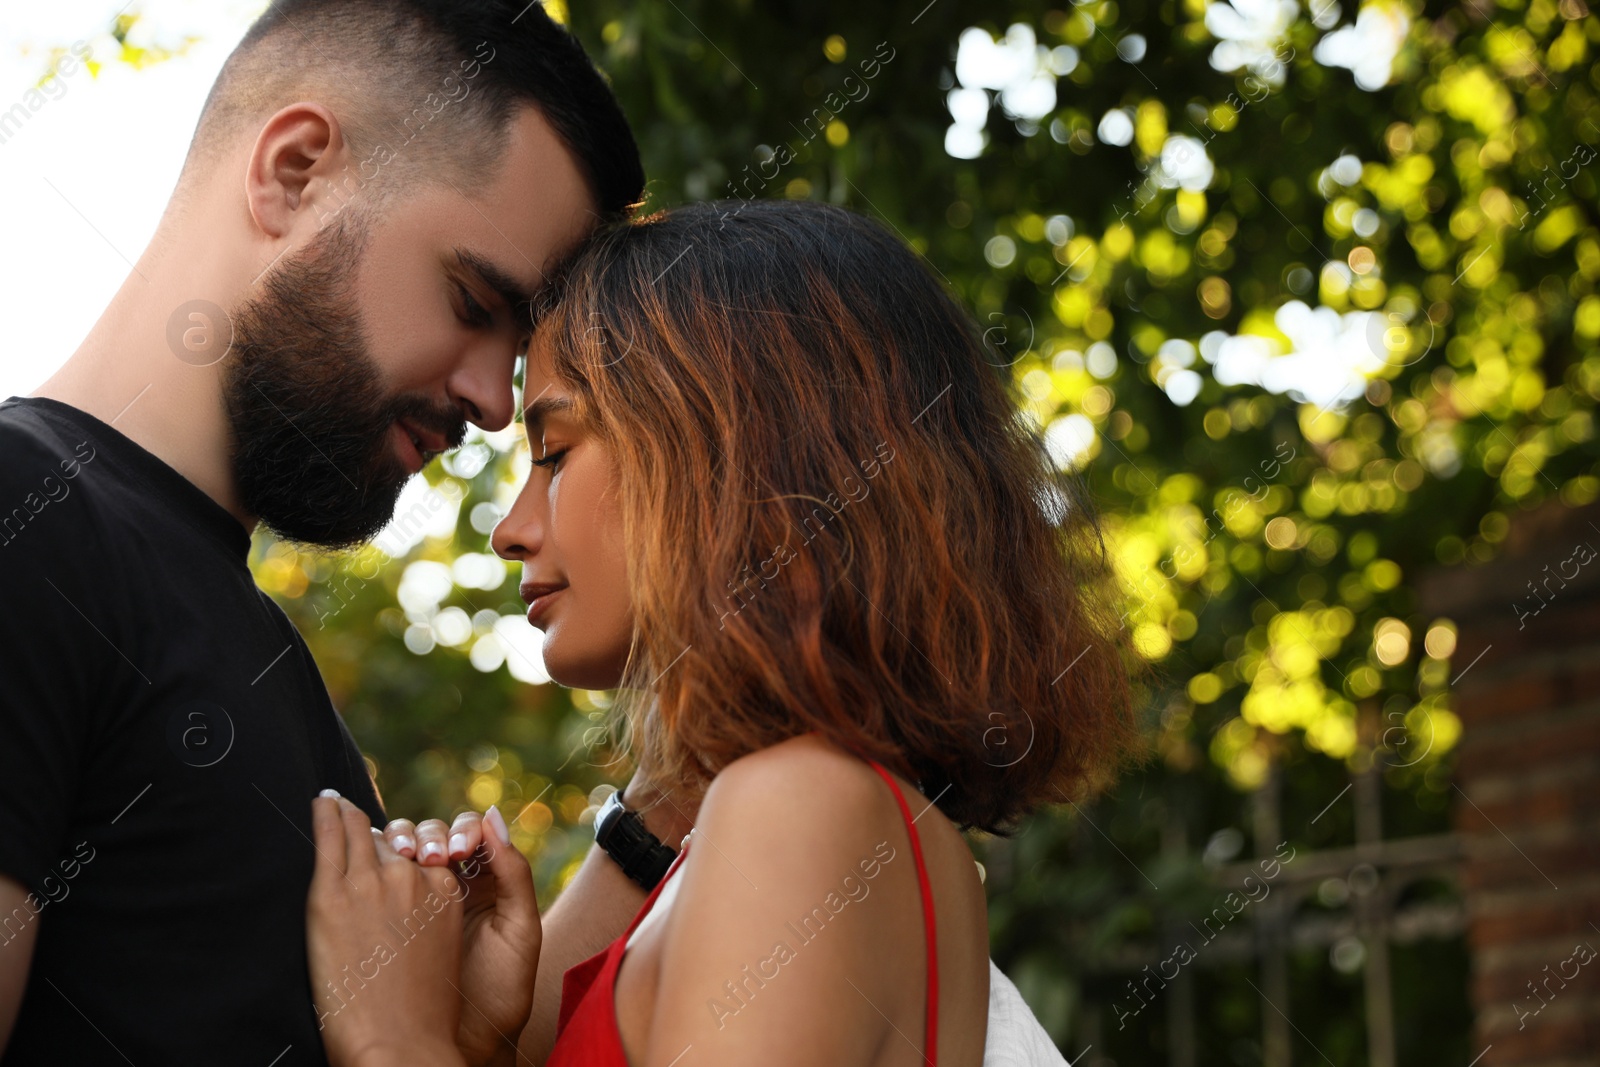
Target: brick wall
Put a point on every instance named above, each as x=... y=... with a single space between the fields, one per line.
x=1526 y=685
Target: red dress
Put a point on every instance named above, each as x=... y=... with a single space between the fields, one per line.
x=586 y=1029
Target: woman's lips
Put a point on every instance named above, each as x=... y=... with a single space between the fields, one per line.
x=540 y=603
x=538 y=596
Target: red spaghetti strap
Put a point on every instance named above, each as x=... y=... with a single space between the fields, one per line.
x=931 y=1038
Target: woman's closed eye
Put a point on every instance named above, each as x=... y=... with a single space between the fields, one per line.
x=551 y=459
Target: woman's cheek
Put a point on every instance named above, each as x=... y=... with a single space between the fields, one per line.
x=613 y=566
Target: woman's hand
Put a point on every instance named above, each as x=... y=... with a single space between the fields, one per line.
x=503 y=934
x=383 y=936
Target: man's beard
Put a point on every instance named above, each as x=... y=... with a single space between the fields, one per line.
x=313 y=457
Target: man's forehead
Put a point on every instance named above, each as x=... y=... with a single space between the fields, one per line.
x=538 y=202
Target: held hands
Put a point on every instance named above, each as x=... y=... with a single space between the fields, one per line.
x=411 y=962
x=382 y=937
x=502 y=934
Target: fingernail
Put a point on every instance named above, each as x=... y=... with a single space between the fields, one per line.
x=404 y=844
x=458 y=844
x=497 y=823
x=332 y=793
x=431 y=849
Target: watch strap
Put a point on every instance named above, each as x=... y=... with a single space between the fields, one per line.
x=623 y=835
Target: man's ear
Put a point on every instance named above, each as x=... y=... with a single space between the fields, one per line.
x=297 y=146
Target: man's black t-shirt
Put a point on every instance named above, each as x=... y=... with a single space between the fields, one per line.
x=163 y=730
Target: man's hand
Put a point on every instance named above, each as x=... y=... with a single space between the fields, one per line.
x=19 y=926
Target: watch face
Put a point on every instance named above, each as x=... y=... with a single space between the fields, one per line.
x=606 y=816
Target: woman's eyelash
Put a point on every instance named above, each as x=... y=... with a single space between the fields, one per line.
x=550 y=460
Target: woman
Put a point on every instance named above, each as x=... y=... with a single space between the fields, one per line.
x=788 y=508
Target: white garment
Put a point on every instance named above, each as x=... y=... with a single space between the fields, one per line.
x=1014 y=1037
x=669 y=893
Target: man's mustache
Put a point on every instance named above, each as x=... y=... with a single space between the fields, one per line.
x=445 y=421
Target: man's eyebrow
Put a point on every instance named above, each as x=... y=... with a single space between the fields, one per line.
x=517 y=298
x=540 y=407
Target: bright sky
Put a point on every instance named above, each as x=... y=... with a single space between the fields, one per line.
x=85 y=177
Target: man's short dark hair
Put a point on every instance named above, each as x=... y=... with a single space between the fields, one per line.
x=426 y=87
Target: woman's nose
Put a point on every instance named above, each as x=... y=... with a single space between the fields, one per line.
x=517 y=535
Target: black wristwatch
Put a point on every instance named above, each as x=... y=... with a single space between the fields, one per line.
x=639 y=853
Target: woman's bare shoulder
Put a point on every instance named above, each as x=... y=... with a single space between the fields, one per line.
x=782 y=899
x=801 y=757
x=806 y=795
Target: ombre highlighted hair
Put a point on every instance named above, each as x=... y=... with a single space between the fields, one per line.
x=835 y=517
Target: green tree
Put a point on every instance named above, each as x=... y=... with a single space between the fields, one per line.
x=1307 y=328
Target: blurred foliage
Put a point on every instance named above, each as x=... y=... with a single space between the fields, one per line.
x=1311 y=320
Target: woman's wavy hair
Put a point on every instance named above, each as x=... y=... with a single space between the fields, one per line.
x=836 y=518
